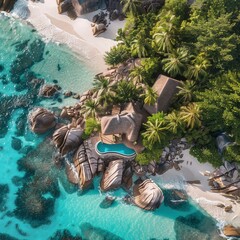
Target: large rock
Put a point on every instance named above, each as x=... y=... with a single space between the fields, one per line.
x=64 y=6
x=49 y=90
x=147 y=195
x=7 y=5
x=83 y=168
x=41 y=120
x=67 y=139
x=112 y=177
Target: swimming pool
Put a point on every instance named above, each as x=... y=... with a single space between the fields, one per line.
x=114 y=149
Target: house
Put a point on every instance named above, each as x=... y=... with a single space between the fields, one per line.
x=166 y=89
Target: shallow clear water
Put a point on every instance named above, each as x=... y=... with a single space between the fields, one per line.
x=71 y=208
x=116 y=148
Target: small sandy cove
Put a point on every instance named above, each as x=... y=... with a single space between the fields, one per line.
x=77 y=34
x=192 y=170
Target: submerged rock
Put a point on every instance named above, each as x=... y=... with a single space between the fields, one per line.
x=64 y=235
x=176 y=199
x=90 y=232
x=196 y=226
x=41 y=120
x=4 y=236
x=16 y=143
x=4 y=190
x=147 y=195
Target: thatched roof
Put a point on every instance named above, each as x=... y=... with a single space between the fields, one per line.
x=166 y=88
x=128 y=123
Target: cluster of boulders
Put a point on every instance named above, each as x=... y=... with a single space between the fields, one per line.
x=226 y=179
x=67 y=6
x=83 y=162
x=7 y=5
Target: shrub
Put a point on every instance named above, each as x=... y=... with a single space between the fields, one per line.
x=207 y=153
x=117 y=54
x=147 y=156
x=232 y=153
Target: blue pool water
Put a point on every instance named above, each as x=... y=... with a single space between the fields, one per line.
x=114 y=148
x=36 y=200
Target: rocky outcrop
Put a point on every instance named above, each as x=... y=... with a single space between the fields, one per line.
x=85 y=6
x=67 y=139
x=7 y=5
x=49 y=90
x=231 y=231
x=147 y=195
x=124 y=123
x=41 y=120
x=98 y=29
x=127 y=178
x=112 y=177
x=83 y=168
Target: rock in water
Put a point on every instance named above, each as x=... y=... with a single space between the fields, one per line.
x=16 y=143
x=107 y=202
x=41 y=120
x=93 y=233
x=67 y=139
x=147 y=195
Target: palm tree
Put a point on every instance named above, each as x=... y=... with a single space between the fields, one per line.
x=190 y=114
x=90 y=108
x=150 y=96
x=139 y=47
x=137 y=75
x=104 y=91
x=165 y=37
x=198 y=69
x=174 y=122
x=186 y=91
x=154 y=133
x=131 y=6
x=126 y=92
x=175 y=63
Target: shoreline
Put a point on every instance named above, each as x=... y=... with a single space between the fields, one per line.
x=59 y=28
x=76 y=34
x=192 y=170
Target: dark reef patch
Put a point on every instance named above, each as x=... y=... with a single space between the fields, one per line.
x=4 y=190
x=196 y=226
x=64 y=235
x=4 y=236
x=40 y=180
x=1 y=67
x=16 y=143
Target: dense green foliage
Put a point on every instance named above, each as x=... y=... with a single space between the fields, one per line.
x=207 y=153
x=198 y=44
x=91 y=125
x=232 y=153
x=147 y=155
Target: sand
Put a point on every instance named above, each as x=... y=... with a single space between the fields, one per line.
x=202 y=193
x=77 y=34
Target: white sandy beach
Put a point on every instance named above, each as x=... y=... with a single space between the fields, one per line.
x=202 y=193
x=77 y=34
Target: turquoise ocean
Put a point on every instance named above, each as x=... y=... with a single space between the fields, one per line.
x=36 y=200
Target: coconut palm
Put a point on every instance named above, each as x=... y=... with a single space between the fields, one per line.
x=101 y=85
x=139 y=47
x=174 y=122
x=175 y=62
x=90 y=108
x=190 y=115
x=165 y=37
x=131 y=6
x=198 y=68
x=186 y=91
x=154 y=133
x=149 y=95
x=126 y=92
